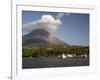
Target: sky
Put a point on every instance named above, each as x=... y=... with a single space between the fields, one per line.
x=72 y=28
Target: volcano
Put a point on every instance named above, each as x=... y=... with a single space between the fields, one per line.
x=41 y=36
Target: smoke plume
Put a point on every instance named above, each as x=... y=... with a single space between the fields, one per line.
x=47 y=22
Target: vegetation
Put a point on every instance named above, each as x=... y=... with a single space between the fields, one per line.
x=53 y=51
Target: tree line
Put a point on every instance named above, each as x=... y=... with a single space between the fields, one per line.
x=53 y=51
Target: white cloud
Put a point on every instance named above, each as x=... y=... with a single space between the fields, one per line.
x=60 y=15
x=47 y=22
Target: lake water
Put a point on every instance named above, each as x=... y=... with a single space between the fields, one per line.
x=53 y=62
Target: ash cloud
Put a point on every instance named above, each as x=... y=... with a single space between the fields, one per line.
x=47 y=22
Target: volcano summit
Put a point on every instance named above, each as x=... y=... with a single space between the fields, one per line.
x=41 y=36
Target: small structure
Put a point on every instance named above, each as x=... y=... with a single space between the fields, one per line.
x=69 y=55
x=63 y=56
x=59 y=56
x=85 y=56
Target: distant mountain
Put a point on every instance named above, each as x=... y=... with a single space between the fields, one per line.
x=41 y=36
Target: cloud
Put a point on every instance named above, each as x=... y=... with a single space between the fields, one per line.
x=60 y=15
x=47 y=22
